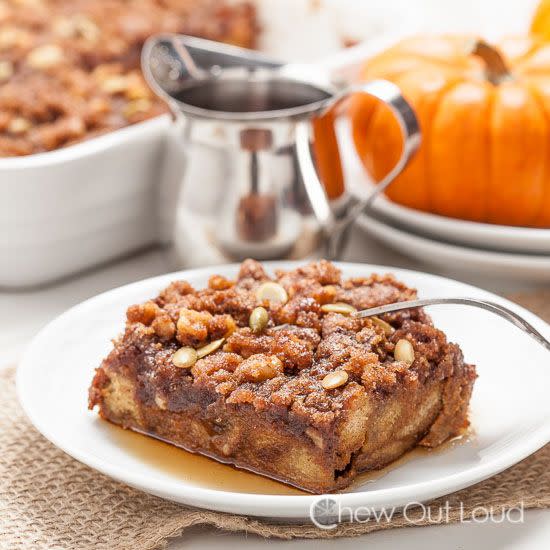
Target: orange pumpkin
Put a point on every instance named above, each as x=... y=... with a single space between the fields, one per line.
x=540 y=25
x=485 y=119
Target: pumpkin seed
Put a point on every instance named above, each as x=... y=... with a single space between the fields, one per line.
x=185 y=358
x=115 y=84
x=137 y=106
x=386 y=327
x=258 y=319
x=271 y=292
x=45 y=56
x=77 y=26
x=19 y=125
x=209 y=348
x=334 y=379
x=338 y=307
x=404 y=351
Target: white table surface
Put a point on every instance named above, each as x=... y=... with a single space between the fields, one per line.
x=25 y=312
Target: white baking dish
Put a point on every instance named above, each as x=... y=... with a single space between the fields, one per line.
x=74 y=208
x=70 y=209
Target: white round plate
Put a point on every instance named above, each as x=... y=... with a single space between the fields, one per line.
x=462 y=259
x=510 y=414
x=483 y=235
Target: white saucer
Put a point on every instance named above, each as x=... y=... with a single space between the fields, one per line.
x=463 y=260
x=504 y=238
x=55 y=373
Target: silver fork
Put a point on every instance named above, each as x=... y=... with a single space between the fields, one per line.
x=487 y=305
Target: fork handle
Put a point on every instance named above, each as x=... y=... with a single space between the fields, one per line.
x=487 y=305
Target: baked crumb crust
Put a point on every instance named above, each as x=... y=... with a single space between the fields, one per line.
x=260 y=402
x=70 y=69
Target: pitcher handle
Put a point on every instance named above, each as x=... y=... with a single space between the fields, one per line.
x=335 y=230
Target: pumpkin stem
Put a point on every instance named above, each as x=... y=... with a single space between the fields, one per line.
x=495 y=66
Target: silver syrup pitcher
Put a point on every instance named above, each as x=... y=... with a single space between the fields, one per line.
x=250 y=185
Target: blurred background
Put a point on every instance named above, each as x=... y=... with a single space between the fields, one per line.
x=366 y=19
x=102 y=182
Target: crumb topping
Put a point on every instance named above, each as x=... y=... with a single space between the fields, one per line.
x=70 y=69
x=284 y=365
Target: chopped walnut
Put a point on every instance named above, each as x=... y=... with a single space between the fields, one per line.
x=218 y=282
x=142 y=313
x=136 y=88
x=136 y=107
x=11 y=37
x=61 y=131
x=19 y=125
x=77 y=26
x=46 y=56
x=218 y=365
x=258 y=368
x=164 y=327
x=221 y=326
x=149 y=314
x=192 y=327
x=116 y=84
x=325 y=295
x=174 y=292
x=253 y=270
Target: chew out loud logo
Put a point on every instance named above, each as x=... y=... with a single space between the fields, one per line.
x=327 y=513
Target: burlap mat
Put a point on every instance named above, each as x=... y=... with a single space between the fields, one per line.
x=49 y=500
